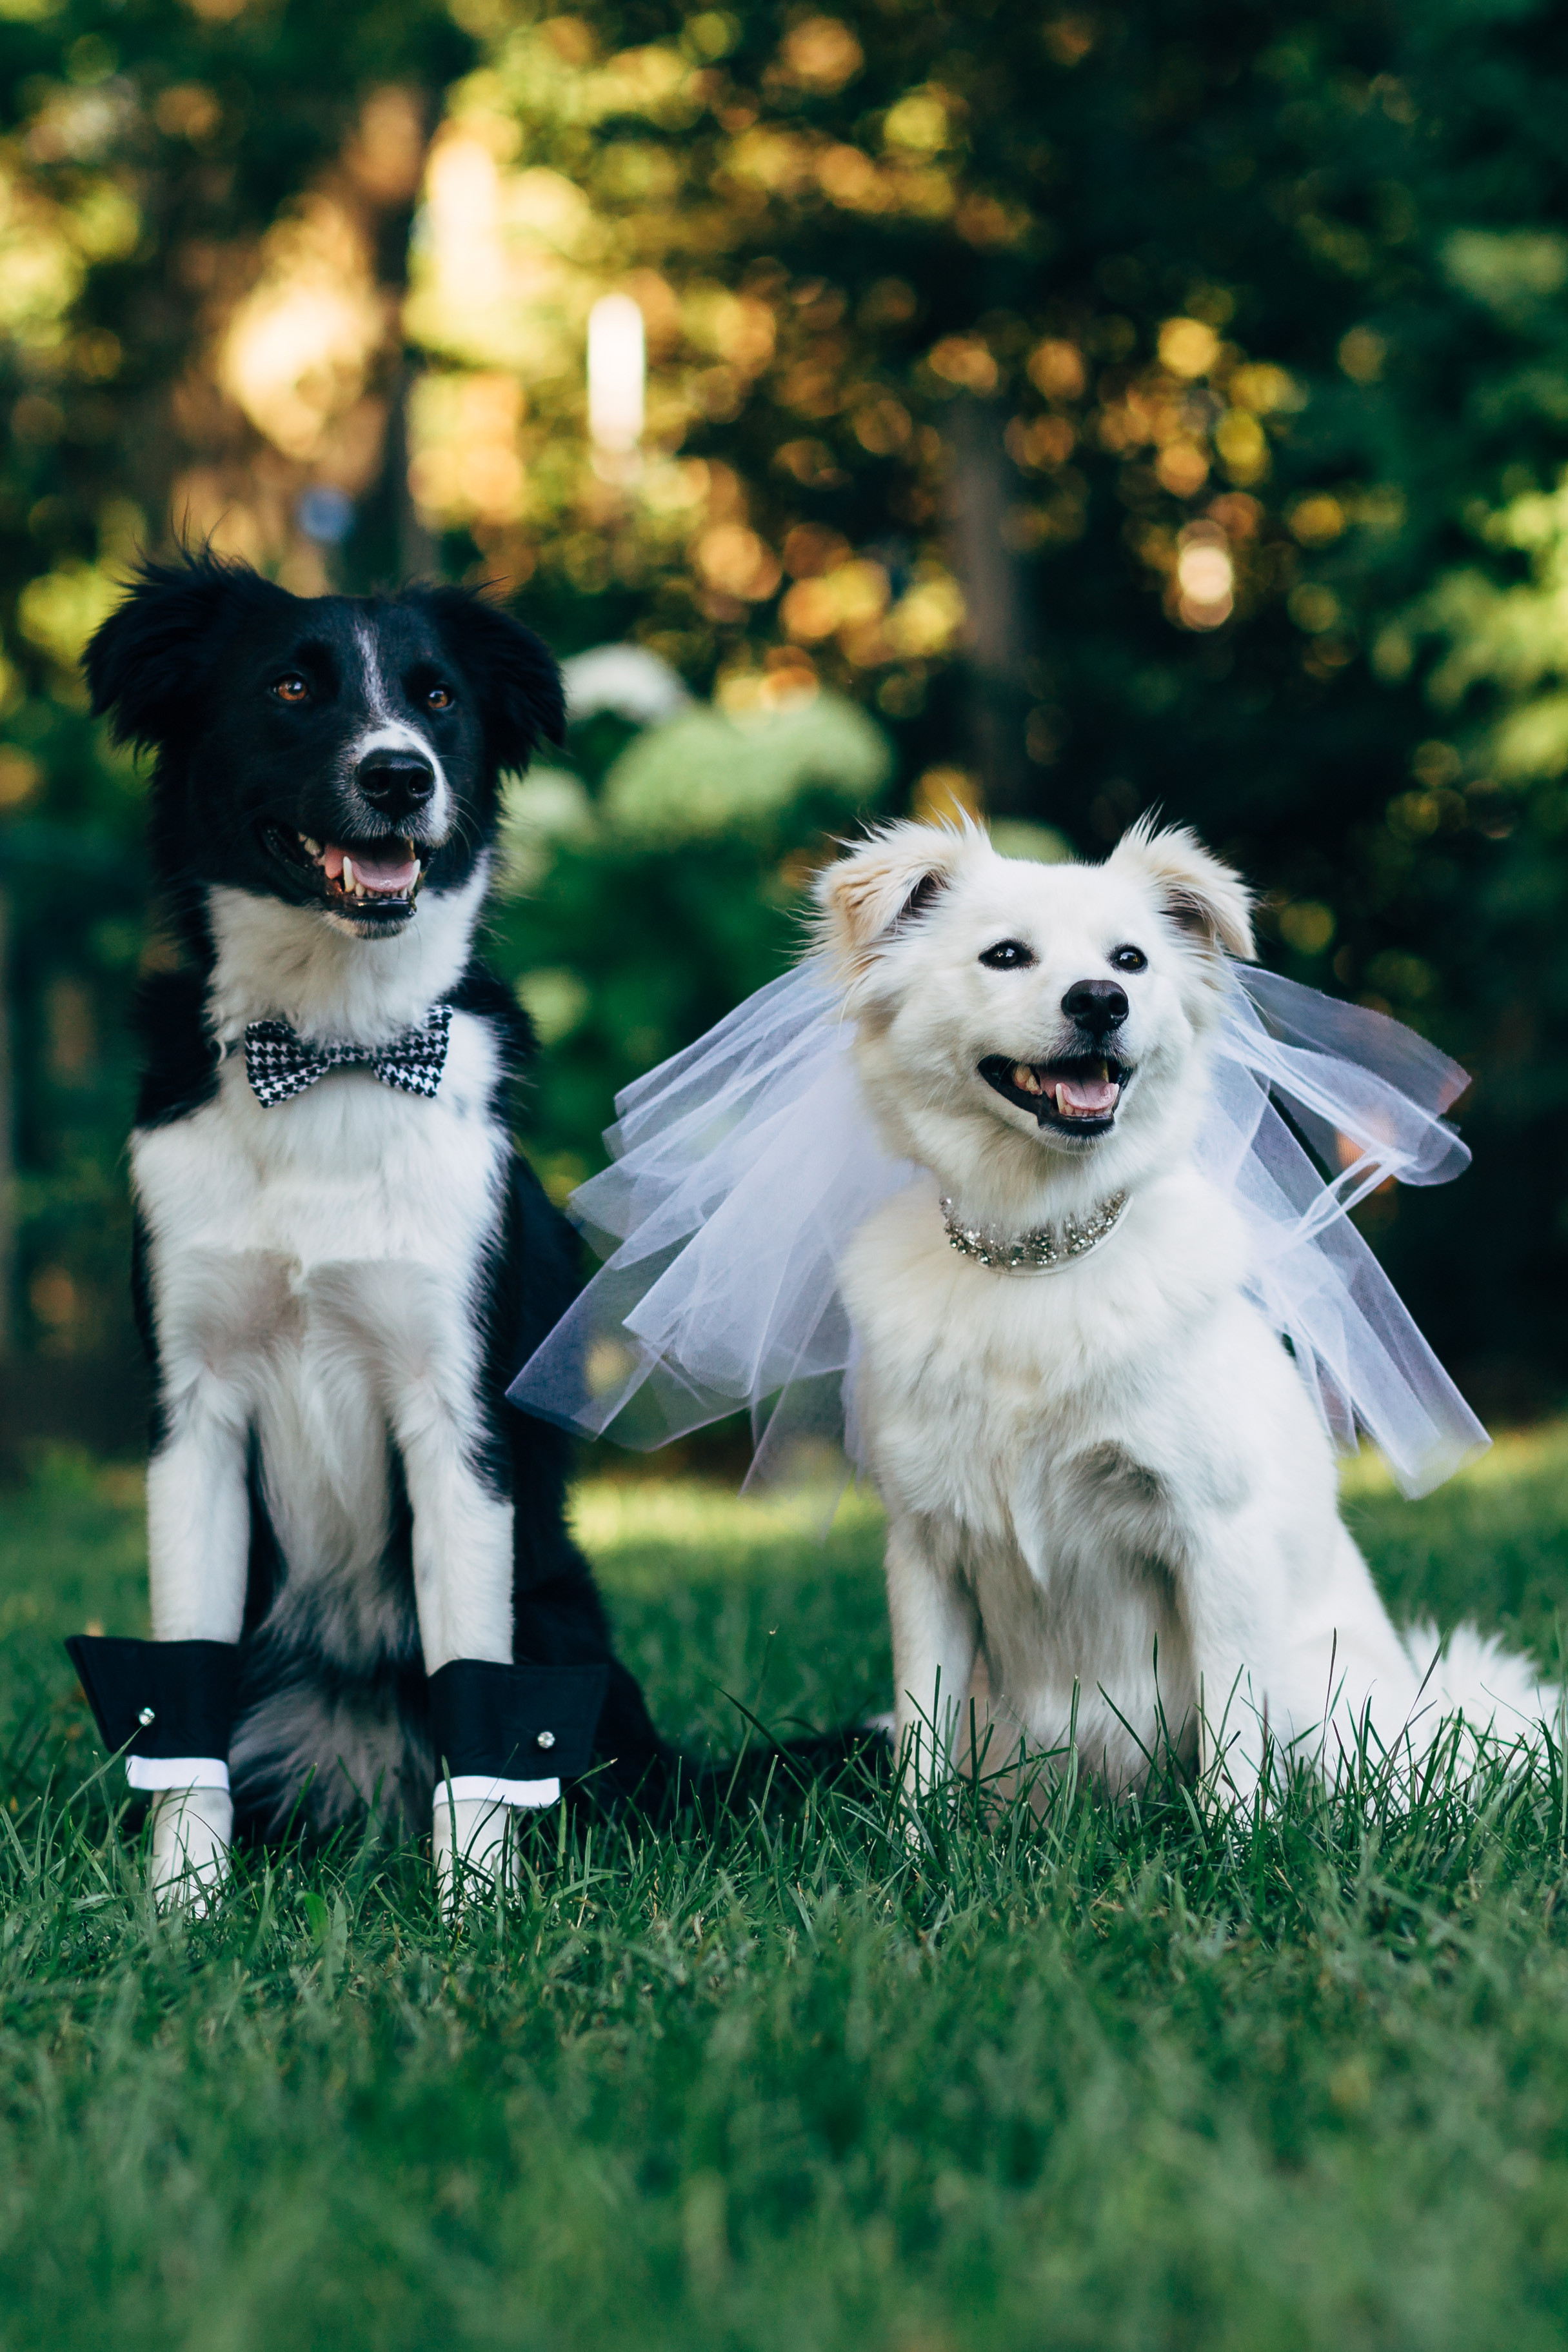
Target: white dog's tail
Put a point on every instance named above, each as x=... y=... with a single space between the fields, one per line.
x=1474 y=1675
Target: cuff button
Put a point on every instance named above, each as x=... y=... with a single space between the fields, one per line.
x=545 y=1739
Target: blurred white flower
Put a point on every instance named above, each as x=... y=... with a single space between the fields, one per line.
x=628 y=679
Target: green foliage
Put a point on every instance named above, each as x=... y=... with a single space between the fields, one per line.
x=1168 y=405
x=1146 y=2076
x=640 y=901
x=144 y=150
x=1093 y=310
x=712 y=775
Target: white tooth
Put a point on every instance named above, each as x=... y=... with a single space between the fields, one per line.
x=1062 y=1102
x=348 y=873
x=1025 y=1078
x=313 y=847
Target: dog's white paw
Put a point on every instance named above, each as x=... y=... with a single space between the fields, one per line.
x=192 y=1832
x=472 y=1847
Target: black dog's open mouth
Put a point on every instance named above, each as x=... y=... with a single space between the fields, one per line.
x=373 y=881
x=1077 y=1095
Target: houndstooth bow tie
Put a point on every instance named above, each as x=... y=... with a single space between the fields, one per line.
x=280 y=1065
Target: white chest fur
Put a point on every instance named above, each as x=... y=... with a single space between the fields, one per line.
x=1063 y=1443
x=351 y=1171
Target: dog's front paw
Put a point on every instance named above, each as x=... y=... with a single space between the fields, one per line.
x=472 y=1846
x=191 y=1831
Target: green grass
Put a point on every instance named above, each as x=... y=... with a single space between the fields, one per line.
x=1140 y=2076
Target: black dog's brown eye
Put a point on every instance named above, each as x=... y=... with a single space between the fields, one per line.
x=292 y=689
x=1008 y=955
x=439 y=698
x=1129 y=960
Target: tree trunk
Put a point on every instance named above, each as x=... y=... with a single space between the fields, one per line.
x=999 y=629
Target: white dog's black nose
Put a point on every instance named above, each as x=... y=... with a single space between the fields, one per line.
x=396 y=783
x=1097 y=1005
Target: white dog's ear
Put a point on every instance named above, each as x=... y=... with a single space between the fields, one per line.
x=874 y=893
x=1196 y=890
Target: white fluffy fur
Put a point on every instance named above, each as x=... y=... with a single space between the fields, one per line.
x=312 y=970
x=313 y=1269
x=1116 y=1463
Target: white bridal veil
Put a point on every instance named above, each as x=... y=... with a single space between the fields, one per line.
x=743 y=1165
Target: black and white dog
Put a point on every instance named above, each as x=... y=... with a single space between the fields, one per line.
x=362 y=1588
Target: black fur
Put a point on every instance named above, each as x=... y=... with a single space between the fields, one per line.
x=186 y=667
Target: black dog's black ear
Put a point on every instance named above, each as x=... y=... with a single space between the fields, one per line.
x=513 y=673
x=142 y=664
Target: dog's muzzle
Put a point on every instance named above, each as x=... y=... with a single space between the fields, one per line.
x=1077 y=1094
x=374 y=881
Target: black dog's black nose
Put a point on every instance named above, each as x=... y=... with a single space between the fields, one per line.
x=396 y=783
x=1097 y=1005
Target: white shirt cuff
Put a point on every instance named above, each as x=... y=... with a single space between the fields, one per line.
x=477 y=1787
x=177 y=1772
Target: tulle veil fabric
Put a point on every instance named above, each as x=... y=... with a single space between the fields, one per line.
x=743 y=1165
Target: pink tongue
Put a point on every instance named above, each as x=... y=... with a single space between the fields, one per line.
x=1086 y=1094
x=392 y=873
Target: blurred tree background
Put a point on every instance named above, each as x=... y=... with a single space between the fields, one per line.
x=1050 y=411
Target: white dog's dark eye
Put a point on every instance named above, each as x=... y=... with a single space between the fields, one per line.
x=1129 y=960
x=1008 y=955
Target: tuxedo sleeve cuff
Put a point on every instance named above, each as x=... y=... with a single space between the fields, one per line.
x=509 y=1725
x=177 y=1772
x=479 y=1787
x=167 y=1703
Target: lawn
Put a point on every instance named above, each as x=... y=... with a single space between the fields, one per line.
x=1147 y=2076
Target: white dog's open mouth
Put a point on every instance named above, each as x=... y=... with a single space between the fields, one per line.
x=1077 y=1093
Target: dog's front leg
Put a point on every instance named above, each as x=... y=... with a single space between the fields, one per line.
x=936 y=1637
x=463 y=1589
x=198 y=1547
x=474 y=1835
x=462 y=1555
x=1232 y=1590
x=463 y=1593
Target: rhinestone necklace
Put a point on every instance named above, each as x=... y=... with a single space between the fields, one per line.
x=1046 y=1249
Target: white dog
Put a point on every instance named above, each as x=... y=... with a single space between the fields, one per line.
x=1112 y=1504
